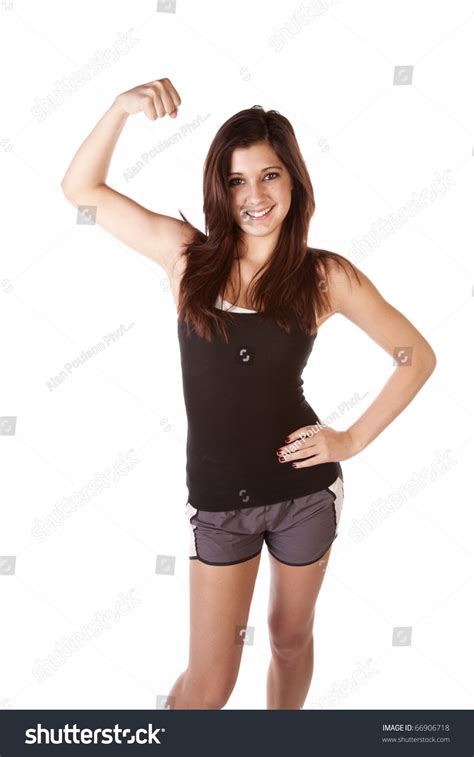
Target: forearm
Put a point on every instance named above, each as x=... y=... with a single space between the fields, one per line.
x=90 y=165
x=402 y=386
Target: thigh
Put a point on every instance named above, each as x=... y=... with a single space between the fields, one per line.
x=220 y=598
x=293 y=594
x=300 y=540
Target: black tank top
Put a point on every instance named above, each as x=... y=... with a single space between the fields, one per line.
x=242 y=399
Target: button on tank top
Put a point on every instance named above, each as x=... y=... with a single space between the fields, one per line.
x=242 y=398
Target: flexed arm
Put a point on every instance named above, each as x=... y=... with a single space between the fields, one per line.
x=159 y=237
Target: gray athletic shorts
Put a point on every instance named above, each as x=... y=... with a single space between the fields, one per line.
x=296 y=531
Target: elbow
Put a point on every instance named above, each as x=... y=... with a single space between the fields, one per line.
x=79 y=196
x=74 y=196
x=67 y=192
x=431 y=355
x=64 y=183
x=430 y=360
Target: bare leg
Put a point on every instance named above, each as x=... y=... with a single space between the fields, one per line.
x=220 y=598
x=293 y=594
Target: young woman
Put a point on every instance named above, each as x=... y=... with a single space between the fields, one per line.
x=250 y=296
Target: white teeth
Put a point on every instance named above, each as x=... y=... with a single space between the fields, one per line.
x=261 y=213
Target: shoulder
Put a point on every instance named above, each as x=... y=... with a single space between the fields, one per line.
x=336 y=276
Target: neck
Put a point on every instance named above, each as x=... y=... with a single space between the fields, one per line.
x=257 y=250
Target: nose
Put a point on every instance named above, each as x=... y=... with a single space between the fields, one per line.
x=255 y=196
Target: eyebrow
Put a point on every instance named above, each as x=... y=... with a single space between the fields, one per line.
x=237 y=173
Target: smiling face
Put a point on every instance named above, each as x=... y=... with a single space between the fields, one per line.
x=259 y=189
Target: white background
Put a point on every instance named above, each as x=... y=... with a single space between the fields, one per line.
x=369 y=145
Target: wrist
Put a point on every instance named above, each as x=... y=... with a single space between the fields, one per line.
x=118 y=108
x=356 y=443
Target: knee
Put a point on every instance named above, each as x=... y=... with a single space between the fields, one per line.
x=289 y=642
x=213 y=693
x=215 y=700
x=216 y=697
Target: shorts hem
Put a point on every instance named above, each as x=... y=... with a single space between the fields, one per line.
x=233 y=562
x=302 y=564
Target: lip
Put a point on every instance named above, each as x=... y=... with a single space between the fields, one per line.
x=260 y=218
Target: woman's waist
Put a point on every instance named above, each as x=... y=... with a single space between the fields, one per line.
x=253 y=428
x=258 y=475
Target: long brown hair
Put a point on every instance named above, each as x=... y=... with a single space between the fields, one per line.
x=292 y=285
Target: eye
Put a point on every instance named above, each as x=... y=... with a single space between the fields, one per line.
x=238 y=179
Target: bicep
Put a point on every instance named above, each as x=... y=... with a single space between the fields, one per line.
x=159 y=237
